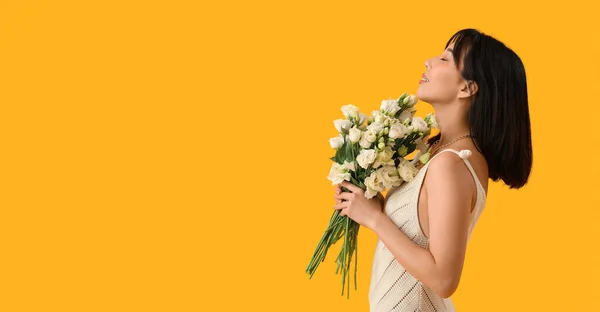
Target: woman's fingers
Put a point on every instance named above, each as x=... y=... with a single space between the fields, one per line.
x=353 y=188
x=337 y=190
x=344 y=195
x=341 y=205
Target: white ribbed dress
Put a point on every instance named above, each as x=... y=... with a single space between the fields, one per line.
x=392 y=288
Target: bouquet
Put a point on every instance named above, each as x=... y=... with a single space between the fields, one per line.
x=371 y=156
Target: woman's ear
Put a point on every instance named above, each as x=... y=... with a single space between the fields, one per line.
x=468 y=88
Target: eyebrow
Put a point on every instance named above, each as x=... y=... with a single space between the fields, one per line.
x=450 y=50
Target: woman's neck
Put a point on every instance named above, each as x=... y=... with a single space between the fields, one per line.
x=452 y=124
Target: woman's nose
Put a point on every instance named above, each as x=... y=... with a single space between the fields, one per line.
x=427 y=64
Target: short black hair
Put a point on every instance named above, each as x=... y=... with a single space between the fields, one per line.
x=499 y=112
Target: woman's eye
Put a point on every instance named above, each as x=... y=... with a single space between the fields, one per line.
x=443 y=59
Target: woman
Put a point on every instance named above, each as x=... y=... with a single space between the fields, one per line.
x=478 y=90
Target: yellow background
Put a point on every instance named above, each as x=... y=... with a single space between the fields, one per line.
x=172 y=156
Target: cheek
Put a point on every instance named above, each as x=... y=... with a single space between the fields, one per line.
x=447 y=82
x=441 y=87
x=445 y=78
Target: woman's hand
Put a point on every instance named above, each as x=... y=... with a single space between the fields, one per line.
x=356 y=206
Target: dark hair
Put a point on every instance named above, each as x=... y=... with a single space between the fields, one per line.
x=499 y=112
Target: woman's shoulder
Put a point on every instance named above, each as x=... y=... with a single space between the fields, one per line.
x=450 y=166
x=445 y=162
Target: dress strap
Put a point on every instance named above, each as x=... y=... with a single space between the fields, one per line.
x=464 y=154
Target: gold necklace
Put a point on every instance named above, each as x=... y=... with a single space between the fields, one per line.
x=436 y=142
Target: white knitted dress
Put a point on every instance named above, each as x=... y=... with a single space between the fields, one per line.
x=392 y=288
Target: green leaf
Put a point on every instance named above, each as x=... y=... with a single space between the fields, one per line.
x=411 y=148
x=339 y=155
x=354 y=181
x=348 y=152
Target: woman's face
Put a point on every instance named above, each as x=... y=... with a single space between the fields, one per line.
x=442 y=80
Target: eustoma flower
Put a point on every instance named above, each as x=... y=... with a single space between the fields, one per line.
x=371 y=156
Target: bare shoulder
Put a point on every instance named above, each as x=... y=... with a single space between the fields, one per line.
x=445 y=163
x=447 y=173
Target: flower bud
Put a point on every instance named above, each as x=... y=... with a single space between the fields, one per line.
x=355 y=135
x=412 y=100
x=425 y=157
x=402 y=151
x=401 y=98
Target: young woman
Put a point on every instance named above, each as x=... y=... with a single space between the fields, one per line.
x=478 y=90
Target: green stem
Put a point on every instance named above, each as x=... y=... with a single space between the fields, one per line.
x=356 y=258
x=324 y=244
x=345 y=249
x=338 y=227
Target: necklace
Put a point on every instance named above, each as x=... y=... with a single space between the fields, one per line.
x=459 y=138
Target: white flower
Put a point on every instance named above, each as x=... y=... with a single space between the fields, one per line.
x=389 y=107
x=378 y=117
x=406 y=114
x=370 y=135
x=431 y=121
x=366 y=157
x=350 y=165
x=339 y=172
x=364 y=143
x=412 y=100
x=374 y=185
x=389 y=176
x=407 y=170
x=355 y=135
x=363 y=117
x=342 y=125
x=398 y=130
x=336 y=142
x=419 y=124
x=350 y=111
x=384 y=157
x=376 y=126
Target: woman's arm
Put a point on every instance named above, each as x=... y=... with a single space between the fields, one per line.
x=448 y=203
x=382 y=200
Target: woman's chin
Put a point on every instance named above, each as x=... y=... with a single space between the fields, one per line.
x=422 y=96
